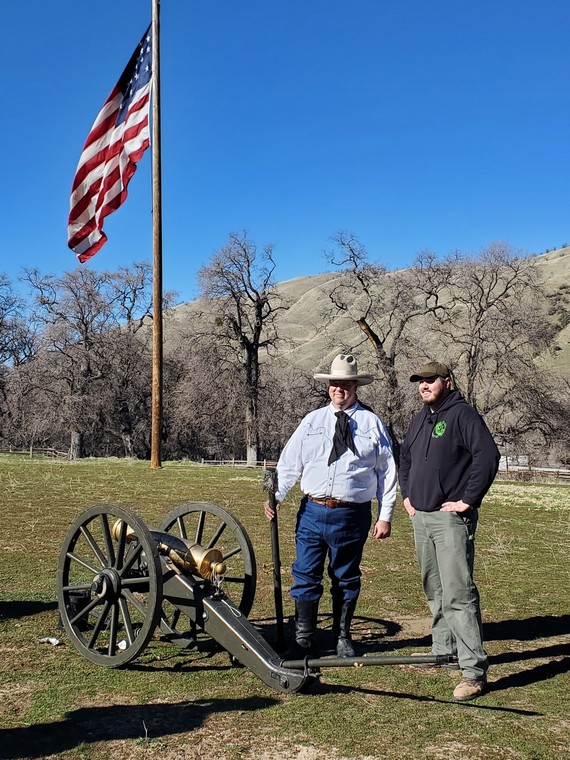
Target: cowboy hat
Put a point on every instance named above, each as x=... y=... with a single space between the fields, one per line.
x=345 y=367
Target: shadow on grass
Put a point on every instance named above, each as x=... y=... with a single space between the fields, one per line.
x=322 y=688
x=527 y=677
x=371 y=634
x=555 y=650
x=539 y=627
x=183 y=661
x=375 y=636
x=16 y=610
x=117 y=722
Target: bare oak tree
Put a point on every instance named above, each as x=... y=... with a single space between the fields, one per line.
x=238 y=291
x=89 y=322
x=385 y=306
x=493 y=332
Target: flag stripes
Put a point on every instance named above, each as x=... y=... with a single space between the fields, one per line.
x=115 y=144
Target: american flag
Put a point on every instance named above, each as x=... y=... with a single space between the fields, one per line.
x=116 y=142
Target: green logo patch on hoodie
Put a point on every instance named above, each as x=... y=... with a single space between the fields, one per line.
x=439 y=429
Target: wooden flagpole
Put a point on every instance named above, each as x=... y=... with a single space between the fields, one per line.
x=157 y=337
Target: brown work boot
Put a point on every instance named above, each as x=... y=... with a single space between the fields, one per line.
x=469 y=688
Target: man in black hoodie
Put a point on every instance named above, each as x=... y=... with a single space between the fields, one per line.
x=448 y=461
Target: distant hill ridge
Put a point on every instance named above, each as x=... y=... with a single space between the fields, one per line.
x=310 y=349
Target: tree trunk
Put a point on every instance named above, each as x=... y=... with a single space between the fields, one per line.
x=251 y=456
x=128 y=445
x=251 y=438
x=76 y=445
x=393 y=398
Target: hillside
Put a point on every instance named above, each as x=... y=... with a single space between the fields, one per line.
x=555 y=273
x=309 y=348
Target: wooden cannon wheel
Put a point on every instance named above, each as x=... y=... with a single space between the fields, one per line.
x=211 y=526
x=109 y=585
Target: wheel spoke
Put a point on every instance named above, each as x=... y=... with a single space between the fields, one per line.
x=93 y=544
x=77 y=587
x=85 y=611
x=231 y=553
x=82 y=562
x=230 y=579
x=133 y=554
x=113 y=630
x=127 y=621
x=129 y=582
x=181 y=527
x=108 y=539
x=217 y=535
x=200 y=528
x=128 y=595
x=98 y=626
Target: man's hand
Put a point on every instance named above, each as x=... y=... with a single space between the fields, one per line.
x=269 y=513
x=455 y=506
x=408 y=507
x=382 y=529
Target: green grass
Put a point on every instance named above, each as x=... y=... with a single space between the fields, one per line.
x=173 y=703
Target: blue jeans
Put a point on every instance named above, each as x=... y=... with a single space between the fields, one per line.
x=445 y=548
x=338 y=533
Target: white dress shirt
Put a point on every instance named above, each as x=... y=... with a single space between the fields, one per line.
x=368 y=473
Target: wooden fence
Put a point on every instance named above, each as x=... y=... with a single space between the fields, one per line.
x=32 y=452
x=516 y=472
x=264 y=463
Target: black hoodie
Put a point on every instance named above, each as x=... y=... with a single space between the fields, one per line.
x=447 y=455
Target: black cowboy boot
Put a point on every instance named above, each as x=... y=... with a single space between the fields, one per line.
x=344 y=646
x=305 y=624
x=336 y=598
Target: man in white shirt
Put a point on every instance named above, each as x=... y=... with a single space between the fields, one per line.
x=343 y=455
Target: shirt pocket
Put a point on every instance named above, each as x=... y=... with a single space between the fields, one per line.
x=366 y=445
x=316 y=443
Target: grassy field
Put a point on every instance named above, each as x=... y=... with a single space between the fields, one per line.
x=178 y=703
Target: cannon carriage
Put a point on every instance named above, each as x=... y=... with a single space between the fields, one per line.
x=194 y=577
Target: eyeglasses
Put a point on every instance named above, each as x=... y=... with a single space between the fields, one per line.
x=429 y=380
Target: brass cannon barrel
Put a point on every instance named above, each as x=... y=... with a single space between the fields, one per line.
x=185 y=555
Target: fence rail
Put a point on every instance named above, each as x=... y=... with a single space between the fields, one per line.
x=239 y=463
x=32 y=452
x=556 y=472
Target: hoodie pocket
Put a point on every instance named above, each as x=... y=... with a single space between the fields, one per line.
x=426 y=492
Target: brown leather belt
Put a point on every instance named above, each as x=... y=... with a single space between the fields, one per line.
x=332 y=503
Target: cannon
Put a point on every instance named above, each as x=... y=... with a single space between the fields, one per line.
x=118 y=581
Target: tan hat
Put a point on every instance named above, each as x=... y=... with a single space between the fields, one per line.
x=430 y=369
x=345 y=367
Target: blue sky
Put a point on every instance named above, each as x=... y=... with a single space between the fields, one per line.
x=414 y=125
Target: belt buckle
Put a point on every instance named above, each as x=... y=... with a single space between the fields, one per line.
x=330 y=503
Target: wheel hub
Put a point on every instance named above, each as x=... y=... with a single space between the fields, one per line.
x=106 y=585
